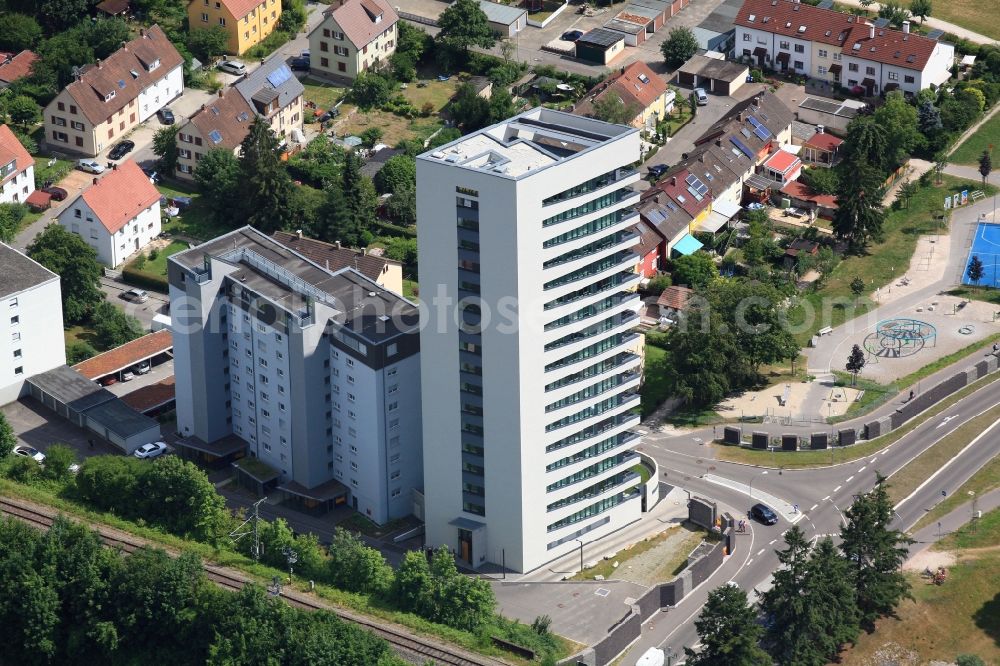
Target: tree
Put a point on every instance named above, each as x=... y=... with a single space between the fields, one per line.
x=699 y=373
x=218 y=177
x=855 y=362
x=103 y=35
x=370 y=136
x=940 y=164
x=398 y=171
x=11 y=215
x=176 y=494
x=857 y=286
x=729 y=633
x=402 y=205
x=355 y=567
x=906 y=191
x=822 y=180
x=58 y=15
x=112 y=327
x=893 y=11
x=898 y=120
x=165 y=147
x=8 y=440
x=975 y=270
x=786 y=605
x=695 y=270
x=371 y=90
x=985 y=165
x=207 y=44
x=68 y=255
x=921 y=8
x=24 y=111
x=501 y=105
x=412 y=41
x=865 y=4
x=78 y=352
x=58 y=459
x=876 y=553
x=859 y=215
x=866 y=143
x=928 y=115
x=464 y=25
x=469 y=111
x=679 y=46
x=613 y=109
x=264 y=183
x=20 y=32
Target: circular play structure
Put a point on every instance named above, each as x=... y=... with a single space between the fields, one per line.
x=897 y=338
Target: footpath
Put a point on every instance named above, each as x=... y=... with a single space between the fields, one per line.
x=938 y=24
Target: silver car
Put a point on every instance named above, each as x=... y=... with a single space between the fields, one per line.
x=233 y=67
x=90 y=166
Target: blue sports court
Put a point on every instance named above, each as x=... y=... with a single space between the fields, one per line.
x=986 y=246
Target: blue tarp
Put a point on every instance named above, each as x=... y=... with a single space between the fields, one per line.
x=688 y=245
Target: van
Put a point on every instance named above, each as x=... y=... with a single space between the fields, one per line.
x=701 y=96
x=652 y=657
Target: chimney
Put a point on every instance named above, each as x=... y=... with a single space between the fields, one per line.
x=221 y=93
x=338 y=244
x=142 y=32
x=202 y=107
x=124 y=46
x=820 y=129
x=718 y=142
x=657 y=198
x=871 y=31
x=906 y=27
x=298 y=232
x=114 y=167
x=673 y=180
x=98 y=63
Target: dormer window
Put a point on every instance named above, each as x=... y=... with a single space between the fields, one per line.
x=134 y=73
x=752 y=18
x=153 y=65
x=110 y=96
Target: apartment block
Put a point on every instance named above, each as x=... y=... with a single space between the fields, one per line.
x=316 y=371
x=354 y=36
x=17 y=169
x=840 y=48
x=31 y=335
x=528 y=355
x=246 y=22
x=109 y=98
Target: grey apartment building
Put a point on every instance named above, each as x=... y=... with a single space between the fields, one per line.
x=315 y=368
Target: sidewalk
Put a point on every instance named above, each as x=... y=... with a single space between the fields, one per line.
x=924 y=538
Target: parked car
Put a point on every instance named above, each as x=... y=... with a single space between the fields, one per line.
x=90 y=166
x=141 y=368
x=151 y=450
x=121 y=149
x=764 y=514
x=128 y=376
x=233 y=67
x=658 y=170
x=29 y=452
x=701 y=96
x=57 y=193
x=108 y=381
x=571 y=35
x=300 y=64
x=858 y=90
x=166 y=116
x=135 y=295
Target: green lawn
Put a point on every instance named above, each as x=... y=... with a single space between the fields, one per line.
x=883 y=263
x=970 y=14
x=411 y=290
x=654 y=384
x=324 y=95
x=56 y=172
x=977 y=294
x=157 y=268
x=196 y=221
x=987 y=135
x=983 y=481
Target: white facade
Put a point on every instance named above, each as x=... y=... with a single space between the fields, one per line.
x=31 y=335
x=525 y=226
x=112 y=248
x=19 y=187
x=161 y=93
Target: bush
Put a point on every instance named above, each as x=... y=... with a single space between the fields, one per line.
x=11 y=215
x=427 y=109
x=136 y=278
x=79 y=352
x=659 y=283
x=969 y=660
x=153 y=254
x=22 y=469
x=58 y=459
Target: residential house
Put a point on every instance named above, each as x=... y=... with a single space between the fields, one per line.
x=650 y=249
x=782 y=167
x=839 y=48
x=246 y=22
x=800 y=247
x=821 y=149
x=685 y=190
x=354 y=36
x=17 y=169
x=672 y=301
x=15 y=66
x=274 y=93
x=386 y=273
x=505 y=20
x=117 y=216
x=31 y=332
x=802 y=196
x=638 y=89
x=110 y=97
x=221 y=123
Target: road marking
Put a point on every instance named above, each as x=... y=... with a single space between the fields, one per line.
x=814 y=507
x=849 y=479
x=862 y=469
x=837 y=488
x=872 y=461
x=772 y=542
x=825 y=498
x=945 y=420
x=748 y=562
x=760 y=552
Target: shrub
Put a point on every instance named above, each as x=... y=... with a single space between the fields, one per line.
x=153 y=254
x=427 y=109
x=137 y=278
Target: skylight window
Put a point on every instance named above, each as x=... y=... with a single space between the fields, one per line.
x=752 y=18
x=644 y=78
x=121 y=84
x=215 y=137
x=134 y=73
x=802 y=28
x=857 y=46
x=243 y=116
x=215 y=110
x=680 y=197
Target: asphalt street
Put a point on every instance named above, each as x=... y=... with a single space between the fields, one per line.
x=821 y=495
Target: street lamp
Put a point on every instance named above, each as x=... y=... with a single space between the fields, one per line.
x=671 y=655
x=292 y=558
x=972 y=494
x=580 y=541
x=751 y=482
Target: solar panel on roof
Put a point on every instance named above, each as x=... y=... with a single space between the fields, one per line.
x=695 y=194
x=695 y=186
x=742 y=146
x=121 y=83
x=935 y=34
x=826 y=4
x=279 y=76
x=214 y=136
x=881 y=23
x=745 y=132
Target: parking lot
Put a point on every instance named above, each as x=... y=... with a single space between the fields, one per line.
x=40 y=427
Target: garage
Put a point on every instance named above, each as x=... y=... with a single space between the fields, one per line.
x=713 y=73
x=600 y=46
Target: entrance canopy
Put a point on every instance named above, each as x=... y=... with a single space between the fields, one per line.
x=688 y=245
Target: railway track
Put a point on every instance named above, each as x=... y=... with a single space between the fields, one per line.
x=407 y=645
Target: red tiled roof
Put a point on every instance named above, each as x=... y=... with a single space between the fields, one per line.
x=240 y=8
x=674 y=298
x=803 y=192
x=626 y=84
x=120 y=196
x=356 y=19
x=781 y=161
x=17 y=67
x=113 y=7
x=826 y=26
x=824 y=141
x=148 y=397
x=675 y=187
x=114 y=75
x=223 y=115
x=127 y=355
x=11 y=150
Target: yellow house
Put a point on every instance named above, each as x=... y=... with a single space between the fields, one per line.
x=246 y=22
x=638 y=89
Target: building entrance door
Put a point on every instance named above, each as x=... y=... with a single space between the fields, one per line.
x=465 y=545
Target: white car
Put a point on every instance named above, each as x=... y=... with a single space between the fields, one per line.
x=701 y=96
x=29 y=452
x=128 y=376
x=141 y=368
x=90 y=166
x=150 y=450
x=233 y=67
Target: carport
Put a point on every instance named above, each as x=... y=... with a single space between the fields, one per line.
x=324 y=497
x=216 y=455
x=713 y=74
x=154 y=347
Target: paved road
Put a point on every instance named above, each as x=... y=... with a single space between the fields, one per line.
x=821 y=495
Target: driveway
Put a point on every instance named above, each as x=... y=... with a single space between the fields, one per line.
x=40 y=427
x=144 y=312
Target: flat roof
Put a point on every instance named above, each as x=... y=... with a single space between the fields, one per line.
x=846 y=108
x=127 y=355
x=713 y=68
x=121 y=419
x=152 y=396
x=623 y=26
x=71 y=388
x=600 y=37
x=20 y=273
x=221 y=447
x=497 y=13
x=324 y=492
x=527 y=142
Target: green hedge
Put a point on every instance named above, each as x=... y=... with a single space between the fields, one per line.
x=138 y=278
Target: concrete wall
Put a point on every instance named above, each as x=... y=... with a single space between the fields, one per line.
x=31 y=337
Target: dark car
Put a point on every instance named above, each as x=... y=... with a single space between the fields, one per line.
x=764 y=514
x=166 y=116
x=121 y=149
x=858 y=90
x=658 y=170
x=57 y=193
x=300 y=64
x=572 y=35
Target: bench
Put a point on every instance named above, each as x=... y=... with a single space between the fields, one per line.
x=826 y=330
x=783 y=400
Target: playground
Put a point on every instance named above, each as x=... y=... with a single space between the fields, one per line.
x=985 y=246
